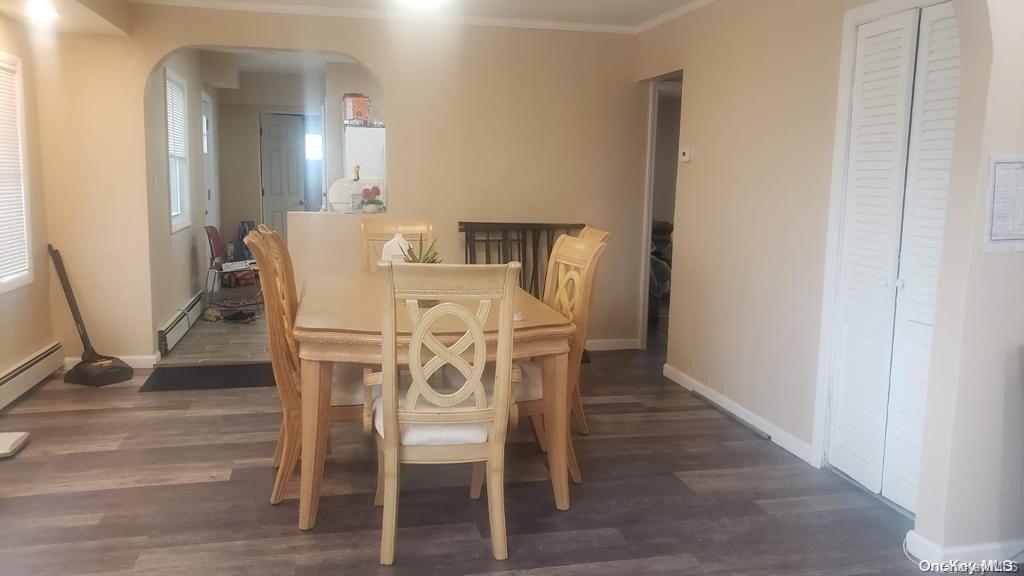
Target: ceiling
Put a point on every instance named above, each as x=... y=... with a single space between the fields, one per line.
x=284 y=61
x=622 y=16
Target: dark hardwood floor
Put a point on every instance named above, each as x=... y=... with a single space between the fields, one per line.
x=173 y=483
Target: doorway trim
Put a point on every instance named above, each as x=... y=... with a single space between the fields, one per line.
x=852 y=20
x=648 y=211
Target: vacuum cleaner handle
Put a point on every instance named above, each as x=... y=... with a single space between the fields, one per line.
x=58 y=264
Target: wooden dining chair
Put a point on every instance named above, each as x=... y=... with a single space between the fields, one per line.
x=433 y=420
x=277 y=280
x=376 y=231
x=567 y=289
x=594 y=234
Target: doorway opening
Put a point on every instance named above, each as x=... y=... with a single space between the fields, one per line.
x=235 y=138
x=663 y=161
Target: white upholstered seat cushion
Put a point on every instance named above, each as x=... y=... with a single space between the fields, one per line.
x=429 y=434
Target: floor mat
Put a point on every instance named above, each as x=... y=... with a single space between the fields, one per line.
x=209 y=377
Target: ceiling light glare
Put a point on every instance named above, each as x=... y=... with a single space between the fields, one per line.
x=41 y=11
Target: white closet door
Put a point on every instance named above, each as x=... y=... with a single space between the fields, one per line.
x=876 y=171
x=936 y=93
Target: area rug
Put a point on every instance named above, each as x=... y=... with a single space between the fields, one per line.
x=209 y=377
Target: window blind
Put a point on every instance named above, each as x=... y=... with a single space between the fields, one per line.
x=14 y=261
x=175 y=119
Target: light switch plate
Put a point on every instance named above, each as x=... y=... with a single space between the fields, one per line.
x=684 y=155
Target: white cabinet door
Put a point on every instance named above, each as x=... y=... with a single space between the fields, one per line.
x=875 y=180
x=932 y=127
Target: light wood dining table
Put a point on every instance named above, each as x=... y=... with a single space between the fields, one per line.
x=340 y=319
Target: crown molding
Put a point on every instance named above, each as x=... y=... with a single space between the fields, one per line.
x=306 y=10
x=672 y=15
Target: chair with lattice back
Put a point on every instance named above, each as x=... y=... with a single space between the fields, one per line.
x=448 y=311
x=568 y=288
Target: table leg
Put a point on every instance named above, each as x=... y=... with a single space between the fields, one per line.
x=556 y=423
x=316 y=401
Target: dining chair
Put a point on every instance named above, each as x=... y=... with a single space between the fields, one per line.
x=568 y=287
x=277 y=280
x=594 y=234
x=430 y=419
x=579 y=418
x=376 y=231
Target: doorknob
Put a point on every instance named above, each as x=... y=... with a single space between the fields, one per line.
x=900 y=284
x=302 y=202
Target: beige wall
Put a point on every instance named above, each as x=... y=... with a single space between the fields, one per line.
x=972 y=491
x=178 y=260
x=751 y=212
x=239 y=122
x=501 y=124
x=25 y=311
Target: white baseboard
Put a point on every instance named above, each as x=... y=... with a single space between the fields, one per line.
x=29 y=372
x=613 y=344
x=791 y=443
x=147 y=361
x=922 y=548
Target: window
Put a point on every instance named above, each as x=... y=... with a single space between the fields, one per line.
x=206 y=133
x=314 y=147
x=177 y=150
x=15 y=264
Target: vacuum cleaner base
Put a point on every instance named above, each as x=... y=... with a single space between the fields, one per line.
x=99 y=372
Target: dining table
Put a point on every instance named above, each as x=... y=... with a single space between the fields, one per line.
x=340 y=320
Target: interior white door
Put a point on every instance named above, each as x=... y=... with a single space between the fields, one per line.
x=875 y=180
x=932 y=128
x=210 y=177
x=283 y=167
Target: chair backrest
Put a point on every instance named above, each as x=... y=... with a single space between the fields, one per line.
x=594 y=234
x=216 y=243
x=278 y=285
x=377 y=230
x=451 y=331
x=569 y=285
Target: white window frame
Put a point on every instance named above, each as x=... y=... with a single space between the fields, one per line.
x=182 y=220
x=25 y=278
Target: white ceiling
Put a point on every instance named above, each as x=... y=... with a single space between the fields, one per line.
x=622 y=16
x=284 y=61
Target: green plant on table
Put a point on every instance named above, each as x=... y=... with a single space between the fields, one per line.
x=428 y=256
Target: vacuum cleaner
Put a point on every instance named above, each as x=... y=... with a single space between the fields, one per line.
x=95 y=369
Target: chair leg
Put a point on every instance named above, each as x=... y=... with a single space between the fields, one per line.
x=574 y=464
x=496 y=505
x=378 y=498
x=389 y=526
x=276 y=462
x=289 y=458
x=538 y=431
x=578 y=416
x=479 y=473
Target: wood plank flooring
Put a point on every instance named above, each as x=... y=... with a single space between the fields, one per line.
x=173 y=483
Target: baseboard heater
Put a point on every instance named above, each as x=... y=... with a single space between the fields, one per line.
x=175 y=329
x=30 y=372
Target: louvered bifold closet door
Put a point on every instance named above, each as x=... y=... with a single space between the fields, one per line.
x=932 y=127
x=876 y=170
